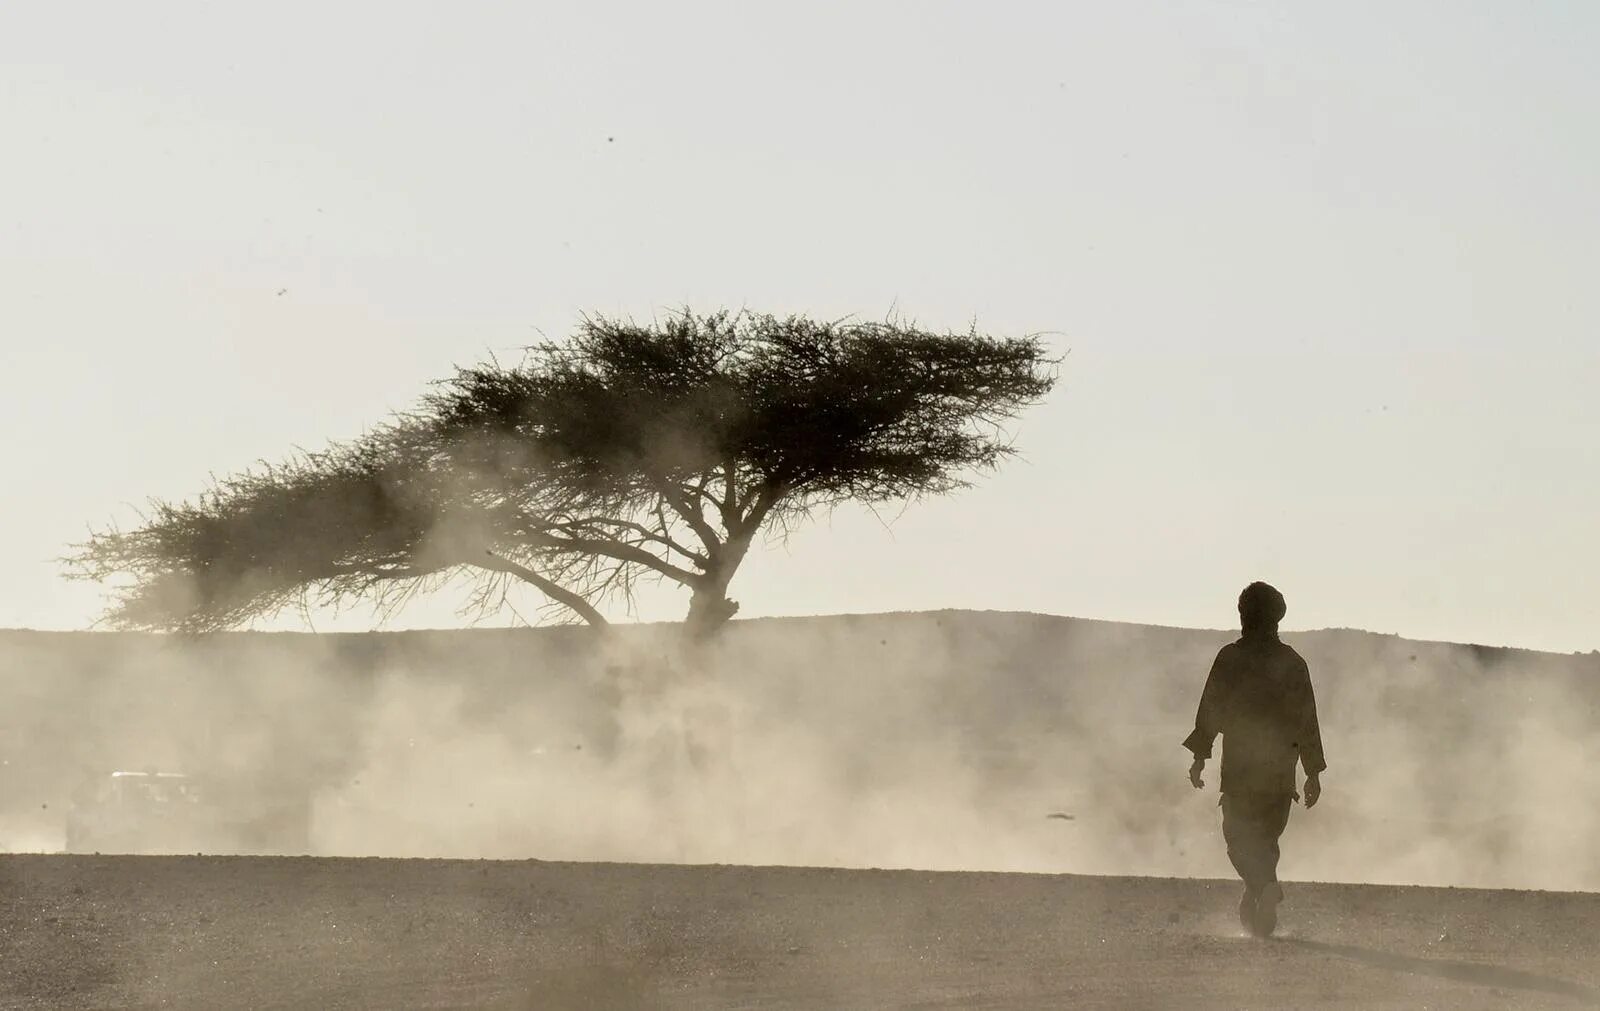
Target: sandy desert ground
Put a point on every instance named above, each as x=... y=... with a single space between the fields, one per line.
x=252 y=932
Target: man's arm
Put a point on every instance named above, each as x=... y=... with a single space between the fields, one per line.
x=1309 y=739
x=1207 y=718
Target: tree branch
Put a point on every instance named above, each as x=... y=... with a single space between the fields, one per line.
x=555 y=591
x=621 y=551
x=644 y=532
x=684 y=507
x=768 y=495
x=730 y=493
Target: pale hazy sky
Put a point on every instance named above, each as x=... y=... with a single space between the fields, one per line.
x=1327 y=272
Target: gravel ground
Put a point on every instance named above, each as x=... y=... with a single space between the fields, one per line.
x=255 y=932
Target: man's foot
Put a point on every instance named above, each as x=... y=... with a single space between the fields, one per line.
x=1267 y=909
x=1247 y=910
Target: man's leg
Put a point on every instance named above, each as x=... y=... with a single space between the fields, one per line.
x=1243 y=843
x=1273 y=817
x=1247 y=845
x=1251 y=826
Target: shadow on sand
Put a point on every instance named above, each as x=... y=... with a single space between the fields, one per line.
x=1461 y=972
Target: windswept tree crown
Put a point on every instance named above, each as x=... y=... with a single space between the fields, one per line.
x=631 y=450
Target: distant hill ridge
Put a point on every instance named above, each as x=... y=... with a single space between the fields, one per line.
x=954 y=614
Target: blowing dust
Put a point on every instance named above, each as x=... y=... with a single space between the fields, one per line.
x=952 y=740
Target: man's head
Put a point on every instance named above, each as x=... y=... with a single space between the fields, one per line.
x=1261 y=607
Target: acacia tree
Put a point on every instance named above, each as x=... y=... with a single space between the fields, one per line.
x=630 y=451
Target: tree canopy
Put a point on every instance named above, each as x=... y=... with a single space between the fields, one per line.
x=631 y=450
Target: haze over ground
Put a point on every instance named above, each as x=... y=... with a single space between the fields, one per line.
x=1322 y=271
x=938 y=741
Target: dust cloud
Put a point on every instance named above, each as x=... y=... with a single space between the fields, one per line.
x=949 y=740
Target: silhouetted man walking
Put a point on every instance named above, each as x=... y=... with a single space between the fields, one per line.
x=1258 y=697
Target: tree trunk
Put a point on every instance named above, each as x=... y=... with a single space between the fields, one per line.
x=709 y=610
x=709 y=607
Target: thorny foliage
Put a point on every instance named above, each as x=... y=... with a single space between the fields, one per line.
x=630 y=451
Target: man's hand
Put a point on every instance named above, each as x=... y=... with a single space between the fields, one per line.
x=1194 y=773
x=1313 y=791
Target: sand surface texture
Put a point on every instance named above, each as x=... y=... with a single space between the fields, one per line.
x=249 y=932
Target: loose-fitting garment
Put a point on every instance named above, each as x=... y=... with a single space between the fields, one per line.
x=1258 y=697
